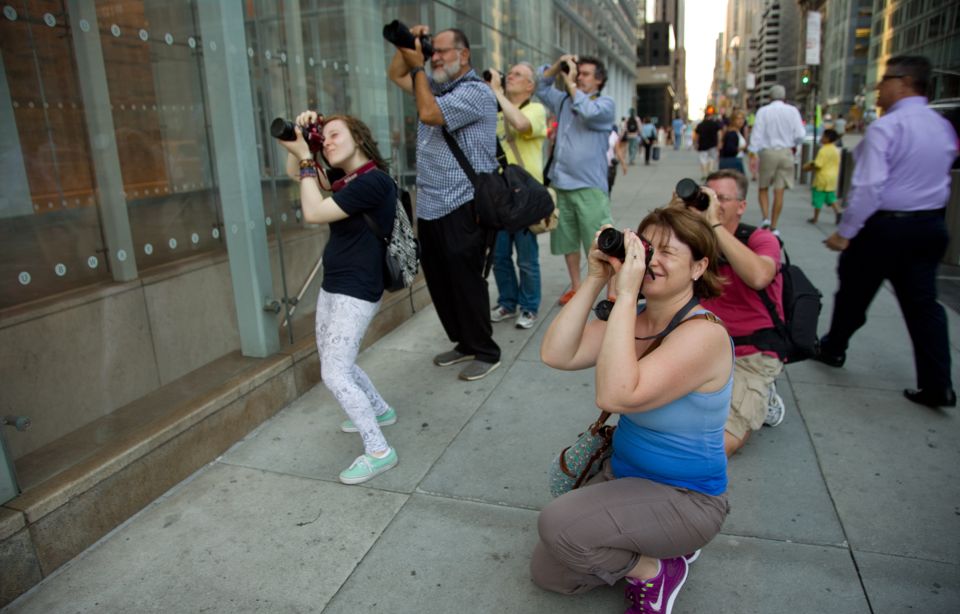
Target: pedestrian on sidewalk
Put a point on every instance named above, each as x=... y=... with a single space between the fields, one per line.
x=893 y=227
x=826 y=167
x=733 y=143
x=649 y=135
x=661 y=495
x=750 y=264
x=631 y=128
x=579 y=169
x=777 y=131
x=615 y=158
x=453 y=246
x=705 y=139
x=352 y=271
x=521 y=128
x=678 y=128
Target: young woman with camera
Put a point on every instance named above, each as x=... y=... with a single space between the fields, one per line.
x=352 y=270
x=660 y=497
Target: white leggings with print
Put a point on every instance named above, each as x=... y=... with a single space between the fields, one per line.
x=341 y=323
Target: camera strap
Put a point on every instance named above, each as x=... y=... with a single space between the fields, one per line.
x=677 y=318
x=341 y=183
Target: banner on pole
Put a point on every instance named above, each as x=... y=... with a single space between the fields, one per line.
x=813 y=38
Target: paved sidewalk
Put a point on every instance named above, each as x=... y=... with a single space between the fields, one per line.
x=851 y=505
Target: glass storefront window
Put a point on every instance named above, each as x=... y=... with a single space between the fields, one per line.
x=155 y=88
x=50 y=238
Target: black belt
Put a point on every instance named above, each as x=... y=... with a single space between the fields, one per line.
x=901 y=214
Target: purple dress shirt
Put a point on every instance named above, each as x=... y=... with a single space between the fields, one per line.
x=903 y=164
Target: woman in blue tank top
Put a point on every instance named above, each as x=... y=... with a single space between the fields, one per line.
x=660 y=497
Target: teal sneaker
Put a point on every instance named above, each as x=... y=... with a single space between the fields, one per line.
x=367 y=466
x=389 y=417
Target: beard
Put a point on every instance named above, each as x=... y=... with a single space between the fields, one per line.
x=447 y=72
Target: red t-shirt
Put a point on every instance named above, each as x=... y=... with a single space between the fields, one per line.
x=740 y=306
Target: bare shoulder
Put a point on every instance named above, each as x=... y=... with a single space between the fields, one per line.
x=703 y=333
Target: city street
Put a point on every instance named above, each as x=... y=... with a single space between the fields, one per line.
x=851 y=505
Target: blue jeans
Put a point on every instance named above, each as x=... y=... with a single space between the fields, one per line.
x=526 y=293
x=633 y=146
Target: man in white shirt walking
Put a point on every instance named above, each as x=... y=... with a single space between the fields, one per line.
x=777 y=130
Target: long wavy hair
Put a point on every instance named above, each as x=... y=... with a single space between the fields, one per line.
x=363 y=138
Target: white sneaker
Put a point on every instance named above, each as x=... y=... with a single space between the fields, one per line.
x=499 y=314
x=775 y=407
x=527 y=319
x=776 y=233
x=765 y=223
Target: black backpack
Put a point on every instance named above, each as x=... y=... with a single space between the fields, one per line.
x=632 y=125
x=794 y=339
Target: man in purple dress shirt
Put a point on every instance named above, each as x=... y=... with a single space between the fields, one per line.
x=893 y=227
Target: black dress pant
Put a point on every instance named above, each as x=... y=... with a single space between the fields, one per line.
x=452 y=254
x=907 y=251
x=647 y=147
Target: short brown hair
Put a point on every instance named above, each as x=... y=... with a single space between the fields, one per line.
x=693 y=231
x=728 y=173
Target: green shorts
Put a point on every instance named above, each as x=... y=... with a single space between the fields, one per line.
x=582 y=213
x=822 y=198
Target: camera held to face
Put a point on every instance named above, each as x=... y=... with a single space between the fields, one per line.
x=610 y=242
x=565 y=67
x=488 y=74
x=398 y=34
x=692 y=196
x=285 y=130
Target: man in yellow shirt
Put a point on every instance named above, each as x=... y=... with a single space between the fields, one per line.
x=521 y=128
x=826 y=167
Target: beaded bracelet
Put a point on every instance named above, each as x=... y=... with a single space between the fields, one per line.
x=308 y=163
x=308 y=171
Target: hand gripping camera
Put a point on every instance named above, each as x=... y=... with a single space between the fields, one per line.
x=284 y=130
x=610 y=242
x=398 y=34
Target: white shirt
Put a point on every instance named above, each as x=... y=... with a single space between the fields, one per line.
x=778 y=126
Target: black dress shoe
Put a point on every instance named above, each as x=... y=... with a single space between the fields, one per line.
x=832 y=360
x=930 y=398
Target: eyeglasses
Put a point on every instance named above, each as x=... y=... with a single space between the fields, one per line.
x=443 y=50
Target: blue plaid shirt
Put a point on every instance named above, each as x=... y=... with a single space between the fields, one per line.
x=583 y=134
x=469 y=111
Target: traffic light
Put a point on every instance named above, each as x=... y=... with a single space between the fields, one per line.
x=805 y=78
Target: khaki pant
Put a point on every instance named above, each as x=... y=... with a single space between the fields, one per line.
x=595 y=535
x=776 y=169
x=752 y=376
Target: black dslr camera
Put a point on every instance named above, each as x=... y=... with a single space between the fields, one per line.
x=284 y=130
x=398 y=34
x=566 y=67
x=690 y=193
x=488 y=74
x=610 y=242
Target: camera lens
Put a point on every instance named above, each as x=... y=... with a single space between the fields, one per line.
x=487 y=75
x=283 y=130
x=610 y=242
x=565 y=67
x=690 y=193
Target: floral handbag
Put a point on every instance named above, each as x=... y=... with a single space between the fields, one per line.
x=581 y=461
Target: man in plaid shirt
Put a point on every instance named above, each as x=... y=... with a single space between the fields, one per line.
x=449 y=94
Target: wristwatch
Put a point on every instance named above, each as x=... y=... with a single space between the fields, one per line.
x=413 y=74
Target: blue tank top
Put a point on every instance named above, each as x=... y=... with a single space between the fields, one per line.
x=680 y=443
